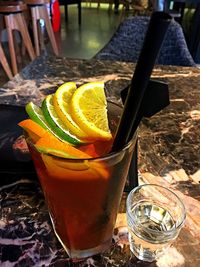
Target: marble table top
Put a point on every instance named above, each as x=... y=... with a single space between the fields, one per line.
x=169 y=155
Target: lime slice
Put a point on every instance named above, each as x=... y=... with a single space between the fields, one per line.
x=56 y=124
x=35 y=113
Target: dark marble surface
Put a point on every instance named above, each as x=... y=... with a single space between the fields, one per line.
x=168 y=155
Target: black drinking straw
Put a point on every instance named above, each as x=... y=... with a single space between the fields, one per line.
x=156 y=31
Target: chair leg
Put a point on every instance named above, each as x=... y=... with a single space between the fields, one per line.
x=4 y=63
x=41 y=36
x=66 y=13
x=16 y=45
x=25 y=35
x=79 y=13
x=35 y=18
x=9 y=21
x=44 y=14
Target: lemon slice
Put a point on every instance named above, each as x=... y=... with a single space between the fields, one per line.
x=61 y=100
x=55 y=123
x=89 y=110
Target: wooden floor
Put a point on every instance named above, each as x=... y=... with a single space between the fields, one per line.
x=74 y=41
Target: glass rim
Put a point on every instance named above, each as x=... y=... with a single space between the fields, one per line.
x=99 y=158
x=177 y=226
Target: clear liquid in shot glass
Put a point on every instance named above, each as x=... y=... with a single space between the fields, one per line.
x=147 y=230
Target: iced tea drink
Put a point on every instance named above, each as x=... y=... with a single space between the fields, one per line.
x=83 y=195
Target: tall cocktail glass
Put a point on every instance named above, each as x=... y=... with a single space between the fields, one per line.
x=83 y=195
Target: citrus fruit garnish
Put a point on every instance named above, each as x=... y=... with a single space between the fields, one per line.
x=55 y=123
x=46 y=142
x=83 y=170
x=50 y=144
x=89 y=110
x=36 y=114
x=61 y=100
x=34 y=130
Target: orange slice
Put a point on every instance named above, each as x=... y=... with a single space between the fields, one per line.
x=47 y=143
x=83 y=170
x=89 y=110
x=50 y=144
x=34 y=130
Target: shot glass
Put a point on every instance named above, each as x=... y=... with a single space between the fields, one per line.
x=155 y=216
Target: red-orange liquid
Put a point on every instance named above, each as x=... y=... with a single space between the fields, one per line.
x=83 y=196
x=77 y=197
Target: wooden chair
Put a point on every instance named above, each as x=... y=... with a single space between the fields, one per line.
x=12 y=13
x=3 y=58
x=39 y=11
x=65 y=3
x=5 y=64
x=133 y=8
x=175 y=8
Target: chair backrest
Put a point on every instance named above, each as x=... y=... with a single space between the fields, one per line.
x=126 y=44
x=192 y=32
x=12 y=6
x=37 y=2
